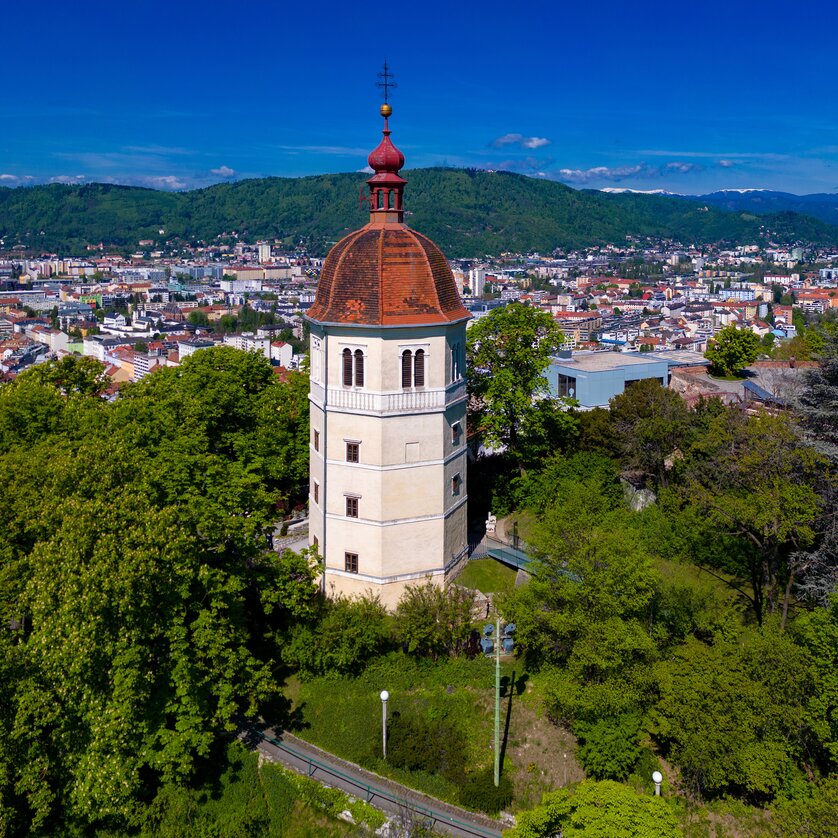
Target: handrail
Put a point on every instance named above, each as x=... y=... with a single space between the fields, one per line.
x=374 y=791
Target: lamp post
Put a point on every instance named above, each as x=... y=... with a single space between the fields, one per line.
x=657 y=779
x=384 y=697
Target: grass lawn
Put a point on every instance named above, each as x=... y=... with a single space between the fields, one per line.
x=487 y=576
x=343 y=716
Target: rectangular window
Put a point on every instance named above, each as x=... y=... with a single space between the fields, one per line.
x=315 y=491
x=566 y=386
x=352 y=507
x=315 y=544
x=456 y=430
x=456 y=484
x=317 y=440
x=350 y=562
x=353 y=452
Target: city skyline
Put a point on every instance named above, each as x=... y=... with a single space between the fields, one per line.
x=644 y=97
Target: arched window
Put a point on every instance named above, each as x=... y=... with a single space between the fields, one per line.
x=419 y=368
x=407 y=364
x=359 y=368
x=347 y=367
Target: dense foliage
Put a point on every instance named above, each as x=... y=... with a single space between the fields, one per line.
x=468 y=213
x=135 y=577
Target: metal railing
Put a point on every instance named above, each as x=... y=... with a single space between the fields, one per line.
x=371 y=791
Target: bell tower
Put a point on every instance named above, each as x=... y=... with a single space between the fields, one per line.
x=387 y=502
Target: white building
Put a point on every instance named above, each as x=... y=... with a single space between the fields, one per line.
x=388 y=404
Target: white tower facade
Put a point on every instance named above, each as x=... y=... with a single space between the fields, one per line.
x=388 y=489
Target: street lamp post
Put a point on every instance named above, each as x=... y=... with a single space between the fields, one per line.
x=384 y=697
x=657 y=779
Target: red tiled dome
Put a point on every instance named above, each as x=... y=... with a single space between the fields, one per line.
x=386 y=275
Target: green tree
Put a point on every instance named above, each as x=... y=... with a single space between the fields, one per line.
x=347 y=633
x=818 y=402
x=434 y=621
x=71 y=375
x=731 y=350
x=733 y=720
x=597 y=809
x=651 y=423
x=508 y=353
x=133 y=558
x=759 y=484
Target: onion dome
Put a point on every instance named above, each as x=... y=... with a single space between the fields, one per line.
x=386 y=274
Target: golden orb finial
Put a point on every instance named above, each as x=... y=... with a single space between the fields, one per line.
x=386 y=110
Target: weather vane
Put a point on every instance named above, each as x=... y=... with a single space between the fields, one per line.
x=387 y=83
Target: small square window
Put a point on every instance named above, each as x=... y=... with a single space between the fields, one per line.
x=316 y=492
x=352 y=507
x=350 y=561
x=353 y=452
x=456 y=484
x=317 y=440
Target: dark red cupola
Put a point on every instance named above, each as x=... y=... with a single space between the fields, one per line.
x=386 y=185
x=386 y=274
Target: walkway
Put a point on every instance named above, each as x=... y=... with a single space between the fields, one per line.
x=384 y=794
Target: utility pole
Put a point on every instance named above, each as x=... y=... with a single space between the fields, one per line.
x=497 y=700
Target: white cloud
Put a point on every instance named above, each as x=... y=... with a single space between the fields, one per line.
x=600 y=173
x=67 y=179
x=367 y=170
x=163 y=182
x=223 y=171
x=726 y=164
x=9 y=177
x=521 y=140
x=683 y=168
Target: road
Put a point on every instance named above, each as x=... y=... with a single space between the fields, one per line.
x=390 y=797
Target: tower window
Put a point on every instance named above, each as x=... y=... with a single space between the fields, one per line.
x=316 y=440
x=413 y=368
x=315 y=492
x=350 y=562
x=456 y=430
x=353 y=367
x=419 y=368
x=347 y=367
x=353 y=452
x=359 y=368
x=352 y=507
x=315 y=544
x=407 y=368
x=456 y=373
x=456 y=484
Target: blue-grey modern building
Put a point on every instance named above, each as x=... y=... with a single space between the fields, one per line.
x=593 y=378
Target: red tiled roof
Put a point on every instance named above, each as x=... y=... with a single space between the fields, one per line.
x=386 y=275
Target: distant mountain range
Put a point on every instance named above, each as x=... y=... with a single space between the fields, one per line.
x=469 y=213
x=822 y=205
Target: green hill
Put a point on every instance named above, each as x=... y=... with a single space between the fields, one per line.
x=469 y=213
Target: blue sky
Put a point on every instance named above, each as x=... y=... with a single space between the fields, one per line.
x=687 y=97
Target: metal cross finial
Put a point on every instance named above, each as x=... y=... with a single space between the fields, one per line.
x=386 y=83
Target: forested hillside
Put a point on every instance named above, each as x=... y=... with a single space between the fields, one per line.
x=469 y=213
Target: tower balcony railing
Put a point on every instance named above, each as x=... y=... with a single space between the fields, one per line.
x=398 y=402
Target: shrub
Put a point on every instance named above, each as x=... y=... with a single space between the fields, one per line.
x=417 y=744
x=480 y=792
x=435 y=621
x=347 y=634
x=609 y=748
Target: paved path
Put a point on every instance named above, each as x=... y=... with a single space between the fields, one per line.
x=384 y=794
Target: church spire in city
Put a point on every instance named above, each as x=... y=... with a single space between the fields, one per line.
x=386 y=185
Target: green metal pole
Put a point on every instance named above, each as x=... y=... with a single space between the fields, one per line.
x=497 y=702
